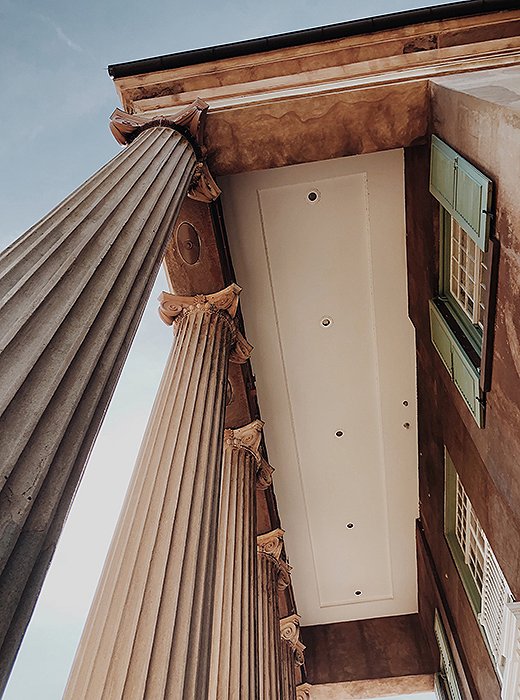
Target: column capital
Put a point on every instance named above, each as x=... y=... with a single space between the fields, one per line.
x=290 y=629
x=271 y=543
x=247 y=437
x=173 y=307
x=303 y=691
x=189 y=122
x=264 y=475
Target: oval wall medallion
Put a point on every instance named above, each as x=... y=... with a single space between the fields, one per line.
x=188 y=243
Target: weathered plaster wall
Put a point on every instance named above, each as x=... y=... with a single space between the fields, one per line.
x=484 y=129
x=381 y=647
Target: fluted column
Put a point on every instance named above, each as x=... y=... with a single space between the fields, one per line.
x=292 y=654
x=149 y=630
x=234 y=674
x=72 y=291
x=273 y=576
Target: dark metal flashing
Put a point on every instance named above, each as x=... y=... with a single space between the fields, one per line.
x=310 y=36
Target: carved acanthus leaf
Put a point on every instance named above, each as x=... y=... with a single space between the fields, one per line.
x=241 y=351
x=284 y=575
x=299 y=656
x=248 y=437
x=303 y=691
x=264 y=475
x=172 y=306
x=203 y=187
x=271 y=543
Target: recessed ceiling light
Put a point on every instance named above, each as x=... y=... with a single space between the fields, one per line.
x=339 y=433
x=326 y=322
x=349 y=526
x=313 y=196
x=358 y=592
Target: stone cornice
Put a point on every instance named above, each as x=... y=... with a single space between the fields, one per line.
x=248 y=437
x=189 y=122
x=173 y=307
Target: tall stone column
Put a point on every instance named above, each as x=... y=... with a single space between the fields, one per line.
x=234 y=644
x=149 y=630
x=72 y=291
x=292 y=654
x=273 y=576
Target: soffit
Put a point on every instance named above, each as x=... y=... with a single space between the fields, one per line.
x=335 y=396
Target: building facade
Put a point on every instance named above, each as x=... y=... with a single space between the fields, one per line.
x=334 y=513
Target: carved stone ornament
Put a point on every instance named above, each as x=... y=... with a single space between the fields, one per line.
x=264 y=475
x=271 y=543
x=172 y=308
x=241 y=351
x=248 y=437
x=284 y=575
x=189 y=122
x=299 y=657
x=290 y=629
x=303 y=691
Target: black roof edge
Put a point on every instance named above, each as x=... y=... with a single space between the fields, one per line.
x=309 y=36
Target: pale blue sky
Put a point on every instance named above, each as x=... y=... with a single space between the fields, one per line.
x=56 y=99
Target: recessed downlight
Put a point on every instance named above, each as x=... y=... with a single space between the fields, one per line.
x=349 y=526
x=358 y=592
x=339 y=433
x=326 y=322
x=313 y=196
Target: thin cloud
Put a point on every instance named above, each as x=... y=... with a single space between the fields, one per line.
x=59 y=31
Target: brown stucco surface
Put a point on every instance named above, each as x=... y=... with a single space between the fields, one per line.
x=377 y=648
x=486 y=132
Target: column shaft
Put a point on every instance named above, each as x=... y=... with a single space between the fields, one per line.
x=288 y=672
x=292 y=654
x=234 y=644
x=149 y=629
x=73 y=289
x=273 y=575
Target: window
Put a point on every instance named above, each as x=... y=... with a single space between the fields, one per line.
x=485 y=584
x=460 y=315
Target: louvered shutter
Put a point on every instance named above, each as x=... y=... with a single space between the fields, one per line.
x=462 y=190
x=447 y=665
x=495 y=596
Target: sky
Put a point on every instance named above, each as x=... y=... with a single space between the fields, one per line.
x=56 y=100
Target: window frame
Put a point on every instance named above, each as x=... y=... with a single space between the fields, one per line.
x=500 y=647
x=464 y=194
x=471 y=331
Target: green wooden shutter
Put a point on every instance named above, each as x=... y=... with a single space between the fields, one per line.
x=441 y=337
x=472 y=202
x=465 y=376
x=442 y=173
x=467 y=381
x=462 y=190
